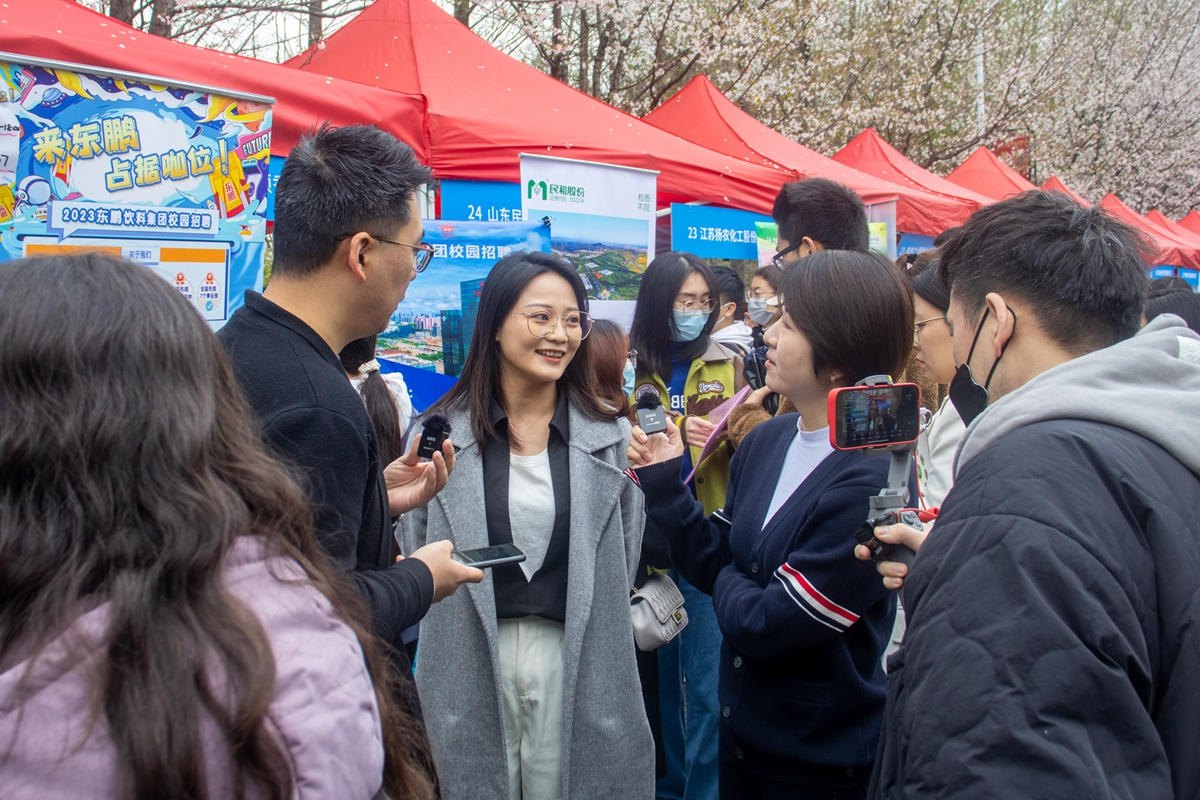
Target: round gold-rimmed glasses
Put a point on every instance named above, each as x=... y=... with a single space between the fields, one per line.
x=542 y=322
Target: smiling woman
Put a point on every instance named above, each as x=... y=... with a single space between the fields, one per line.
x=544 y=471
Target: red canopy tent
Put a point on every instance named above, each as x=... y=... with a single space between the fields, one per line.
x=982 y=172
x=1167 y=249
x=870 y=153
x=1053 y=184
x=1191 y=221
x=64 y=31
x=700 y=113
x=1156 y=217
x=486 y=107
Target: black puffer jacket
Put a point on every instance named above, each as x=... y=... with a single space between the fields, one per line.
x=1053 y=643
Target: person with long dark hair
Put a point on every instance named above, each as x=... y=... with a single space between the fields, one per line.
x=385 y=396
x=169 y=626
x=804 y=623
x=528 y=680
x=677 y=308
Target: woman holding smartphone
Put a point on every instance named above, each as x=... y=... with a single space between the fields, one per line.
x=804 y=623
x=528 y=680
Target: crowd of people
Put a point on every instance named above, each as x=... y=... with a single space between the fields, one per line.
x=227 y=571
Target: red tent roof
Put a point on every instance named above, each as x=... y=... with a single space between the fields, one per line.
x=1156 y=217
x=700 y=113
x=1053 y=184
x=1191 y=221
x=870 y=153
x=486 y=107
x=64 y=31
x=1167 y=248
x=984 y=173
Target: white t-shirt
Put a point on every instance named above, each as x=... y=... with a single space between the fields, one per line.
x=804 y=454
x=531 y=507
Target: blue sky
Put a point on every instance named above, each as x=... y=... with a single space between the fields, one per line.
x=592 y=228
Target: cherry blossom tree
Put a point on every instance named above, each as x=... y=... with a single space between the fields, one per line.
x=1103 y=93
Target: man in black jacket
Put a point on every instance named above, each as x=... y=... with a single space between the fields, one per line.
x=347 y=244
x=1053 y=643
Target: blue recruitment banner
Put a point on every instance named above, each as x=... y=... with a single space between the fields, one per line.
x=173 y=178
x=274 y=171
x=481 y=201
x=429 y=335
x=712 y=232
x=424 y=387
x=1191 y=276
x=914 y=243
x=1163 y=271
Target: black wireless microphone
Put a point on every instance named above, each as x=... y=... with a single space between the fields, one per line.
x=650 y=415
x=435 y=432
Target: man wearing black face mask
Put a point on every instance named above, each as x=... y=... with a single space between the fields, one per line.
x=1052 y=647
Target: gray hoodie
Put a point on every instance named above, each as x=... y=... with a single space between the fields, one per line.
x=1149 y=384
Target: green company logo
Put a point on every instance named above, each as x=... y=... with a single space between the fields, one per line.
x=553 y=192
x=535 y=185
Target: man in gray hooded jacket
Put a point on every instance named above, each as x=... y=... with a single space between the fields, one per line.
x=1053 y=644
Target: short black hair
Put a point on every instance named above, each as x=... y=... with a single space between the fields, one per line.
x=1163 y=286
x=823 y=210
x=341 y=181
x=944 y=236
x=1168 y=297
x=733 y=288
x=855 y=310
x=1081 y=270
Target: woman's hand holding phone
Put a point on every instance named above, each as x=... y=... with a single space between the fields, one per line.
x=646 y=449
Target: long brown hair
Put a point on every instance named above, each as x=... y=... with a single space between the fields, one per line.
x=377 y=397
x=130 y=463
x=609 y=347
x=480 y=379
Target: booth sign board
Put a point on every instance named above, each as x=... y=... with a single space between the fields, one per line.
x=170 y=175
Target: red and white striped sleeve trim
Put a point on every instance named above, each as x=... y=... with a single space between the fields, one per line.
x=820 y=607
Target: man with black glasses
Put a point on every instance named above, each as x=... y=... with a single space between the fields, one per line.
x=347 y=244
x=818 y=214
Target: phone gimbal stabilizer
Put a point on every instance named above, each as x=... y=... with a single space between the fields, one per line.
x=890 y=506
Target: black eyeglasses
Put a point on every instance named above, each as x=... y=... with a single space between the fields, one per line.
x=777 y=259
x=423 y=255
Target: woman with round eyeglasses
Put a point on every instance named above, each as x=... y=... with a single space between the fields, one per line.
x=932 y=347
x=762 y=300
x=677 y=359
x=528 y=681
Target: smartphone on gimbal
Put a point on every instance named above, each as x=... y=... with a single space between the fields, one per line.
x=874 y=416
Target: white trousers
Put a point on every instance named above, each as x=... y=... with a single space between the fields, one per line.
x=531 y=676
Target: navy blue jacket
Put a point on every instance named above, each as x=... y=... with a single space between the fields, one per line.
x=804 y=622
x=1053 y=642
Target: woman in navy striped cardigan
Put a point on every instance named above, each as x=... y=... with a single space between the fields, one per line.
x=804 y=622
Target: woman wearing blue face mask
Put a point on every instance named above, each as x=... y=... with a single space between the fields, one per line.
x=762 y=300
x=676 y=312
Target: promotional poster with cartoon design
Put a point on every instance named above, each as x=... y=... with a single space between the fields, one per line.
x=173 y=178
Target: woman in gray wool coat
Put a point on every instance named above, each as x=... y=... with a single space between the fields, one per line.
x=528 y=680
